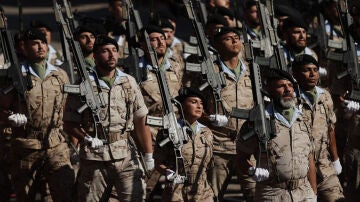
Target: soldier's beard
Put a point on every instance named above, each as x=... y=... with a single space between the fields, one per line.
x=287 y=103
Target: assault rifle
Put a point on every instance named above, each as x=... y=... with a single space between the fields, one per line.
x=69 y=15
x=12 y=68
x=349 y=56
x=263 y=128
x=272 y=55
x=176 y=135
x=133 y=24
x=92 y=100
x=215 y=80
x=68 y=64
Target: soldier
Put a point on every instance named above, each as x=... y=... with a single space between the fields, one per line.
x=115 y=25
x=115 y=162
x=38 y=146
x=150 y=87
x=54 y=56
x=294 y=33
x=251 y=19
x=286 y=170
x=237 y=93
x=85 y=35
x=318 y=111
x=197 y=154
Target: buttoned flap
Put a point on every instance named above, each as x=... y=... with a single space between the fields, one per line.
x=247 y=82
x=278 y=151
x=120 y=149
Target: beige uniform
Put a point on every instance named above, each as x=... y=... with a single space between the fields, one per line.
x=321 y=118
x=288 y=159
x=40 y=150
x=237 y=93
x=114 y=164
x=197 y=154
x=150 y=88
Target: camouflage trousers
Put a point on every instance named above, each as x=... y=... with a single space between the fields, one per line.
x=96 y=180
x=185 y=192
x=330 y=189
x=303 y=193
x=32 y=167
x=226 y=166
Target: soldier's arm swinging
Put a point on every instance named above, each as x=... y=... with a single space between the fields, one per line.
x=332 y=145
x=312 y=173
x=143 y=135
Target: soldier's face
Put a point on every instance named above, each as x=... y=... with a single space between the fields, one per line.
x=116 y=9
x=297 y=37
x=158 y=43
x=170 y=34
x=35 y=50
x=251 y=16
x=229 y=44
x=307 y=76
x=47 y=34
x=282 y=89
x=86 y=41
x=193 y=108
x=106 y=57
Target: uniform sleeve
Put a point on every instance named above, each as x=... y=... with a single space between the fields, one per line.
x=330 y=108
x=140 y=110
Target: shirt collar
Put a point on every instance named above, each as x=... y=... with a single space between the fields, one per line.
x=199 y=126
x=49 y=68
x=318 y=92
x=227 y=70
x=270 y=110
x=118 y=75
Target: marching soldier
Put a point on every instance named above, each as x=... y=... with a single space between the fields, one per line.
x=115 y=162
x=318 y=111
x=197 y=154
x=286 y=171
x=38 y=146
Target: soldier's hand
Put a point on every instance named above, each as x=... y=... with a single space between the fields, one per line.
x=94 y=143
x=351 y=106
x=149 y=161
x=322 y=72
x=337 y=166
x=170 y=174
x=218 y=120
x=17 y=120
x=259 y=174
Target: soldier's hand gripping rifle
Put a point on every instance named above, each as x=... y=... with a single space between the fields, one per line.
x=12 y=68
x=175 y=135
x=215 y=80
x=349 y=57
x=270 y=53
x=262 y=127
x=133 y=25
x=92 y=100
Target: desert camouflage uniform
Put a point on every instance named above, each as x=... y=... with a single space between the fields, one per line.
x=39 y=149
x=197 y=154
x=150 y=88
x=152 y=97
x=321 y=118
x=237 y=93
x=114 y=164
x=288 y=158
